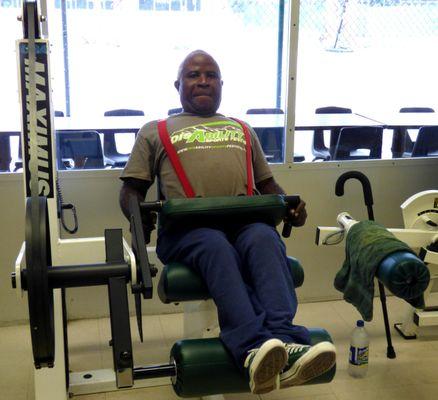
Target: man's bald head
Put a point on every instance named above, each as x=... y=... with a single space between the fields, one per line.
x=199 y=83
x=195 y=54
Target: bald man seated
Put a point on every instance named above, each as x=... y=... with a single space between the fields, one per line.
x=244 y=266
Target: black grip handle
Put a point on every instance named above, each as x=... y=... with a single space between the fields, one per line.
x=139 y=248
x=287 y=229
x=292 y=202
x=151 y=206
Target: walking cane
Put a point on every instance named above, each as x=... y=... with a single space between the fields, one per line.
x=368 y=197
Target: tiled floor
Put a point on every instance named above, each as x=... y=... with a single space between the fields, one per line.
x=412 y=375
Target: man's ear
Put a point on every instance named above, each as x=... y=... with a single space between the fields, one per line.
x=176 y=84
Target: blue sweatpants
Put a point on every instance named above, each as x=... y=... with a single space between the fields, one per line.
x=247 y=274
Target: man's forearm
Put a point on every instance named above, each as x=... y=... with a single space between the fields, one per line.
x=132 y=187
x=269 y=186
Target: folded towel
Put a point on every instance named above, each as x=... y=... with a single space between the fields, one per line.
x=367 y=245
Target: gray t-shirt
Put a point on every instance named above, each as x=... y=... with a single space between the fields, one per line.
x=211 y=150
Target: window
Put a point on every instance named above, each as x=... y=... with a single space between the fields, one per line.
x=371 y=56
x=9 y=103
x=128 y=58
x=125 y=54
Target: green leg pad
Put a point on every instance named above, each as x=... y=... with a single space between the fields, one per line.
x=204 y=367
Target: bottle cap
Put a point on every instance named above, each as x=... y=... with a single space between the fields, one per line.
x=360 y=323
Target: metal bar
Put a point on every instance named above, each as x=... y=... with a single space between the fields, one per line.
x=30 y=9
x=280 y=51
x=412 y=237
x=114 y=246
x=66 y=60
x=151 y=206
x=65 y=335
x=390 y=352
x=139 y=248
x=81 y=275
x=120 y=332
x=294 y=11
x=154 y=371
x=44 y=22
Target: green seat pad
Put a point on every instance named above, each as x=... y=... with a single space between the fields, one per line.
x=179 y=282
x=205 y=367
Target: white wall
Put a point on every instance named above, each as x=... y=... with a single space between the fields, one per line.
x=95 y=194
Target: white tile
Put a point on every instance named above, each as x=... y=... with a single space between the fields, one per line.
x=155 y=393
x=424 y=391
x=96 y=396
x=401 y=392
x=290 y=395
x=16 y=365
x=317 y=392
x=413 y=374
x=84 y=345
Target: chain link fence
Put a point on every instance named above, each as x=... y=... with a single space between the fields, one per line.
x=348 y=25
x=256 y=12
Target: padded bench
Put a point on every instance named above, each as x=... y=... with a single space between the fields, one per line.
x=201 y=361
x=204 y=366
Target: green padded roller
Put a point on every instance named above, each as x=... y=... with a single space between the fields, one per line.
x=404 y=275
x=221 y=211
x=204 y=367
x=180 y=283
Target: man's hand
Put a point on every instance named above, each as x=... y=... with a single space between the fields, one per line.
x=298 y=215
x=148 y=221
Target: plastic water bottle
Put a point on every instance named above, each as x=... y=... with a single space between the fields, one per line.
x=359 y=351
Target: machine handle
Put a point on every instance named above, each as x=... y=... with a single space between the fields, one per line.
x=139 y=249
x=292 y=202
x=151 y=206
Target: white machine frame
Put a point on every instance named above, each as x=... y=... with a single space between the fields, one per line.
x=40 y=174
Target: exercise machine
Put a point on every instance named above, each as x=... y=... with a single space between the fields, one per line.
x=47 y=264
x=403 y=275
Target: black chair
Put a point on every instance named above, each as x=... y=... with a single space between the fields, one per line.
x=113 y=157
x=273 y=151
x=5 y=152
x=19 y=162
x=408 y=143
x=175 y=111
x=416 y=110
x=319 y=150
x=84 y=148
x=358 y=143
x=265 y=111
x=426 y=144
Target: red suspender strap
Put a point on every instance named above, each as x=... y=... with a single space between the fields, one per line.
x=249 y=178
x=176 y=163
x=174 y=159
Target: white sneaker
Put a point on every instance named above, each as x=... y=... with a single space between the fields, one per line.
x=264 y=365
x=307 y=362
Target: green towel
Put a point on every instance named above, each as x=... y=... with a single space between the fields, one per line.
x=367 y=245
